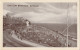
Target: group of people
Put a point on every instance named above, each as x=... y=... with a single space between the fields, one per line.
x=38 y=37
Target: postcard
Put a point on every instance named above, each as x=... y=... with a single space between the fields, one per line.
x=40 y=25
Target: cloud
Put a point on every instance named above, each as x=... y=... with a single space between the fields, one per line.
x=47 y=13
x=49 y=17
x=42 y=17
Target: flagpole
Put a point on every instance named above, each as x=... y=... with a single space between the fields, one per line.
x=67 y=23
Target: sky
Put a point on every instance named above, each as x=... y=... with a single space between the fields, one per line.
x=44 y=13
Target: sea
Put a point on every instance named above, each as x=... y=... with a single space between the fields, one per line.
x=60 y=28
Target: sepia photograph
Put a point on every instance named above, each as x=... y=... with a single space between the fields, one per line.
x=40 y=24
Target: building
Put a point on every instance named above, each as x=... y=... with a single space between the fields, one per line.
x=27 y=23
